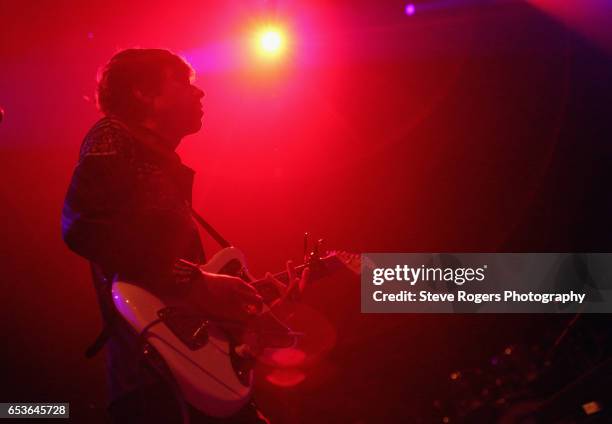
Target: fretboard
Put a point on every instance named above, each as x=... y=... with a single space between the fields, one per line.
x=318 y=269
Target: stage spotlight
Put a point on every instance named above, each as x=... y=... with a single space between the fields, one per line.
x=410 y=9
x=271 y=41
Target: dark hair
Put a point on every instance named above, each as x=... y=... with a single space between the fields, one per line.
x=130 y=69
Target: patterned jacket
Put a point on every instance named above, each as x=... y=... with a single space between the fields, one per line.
x=128 y=211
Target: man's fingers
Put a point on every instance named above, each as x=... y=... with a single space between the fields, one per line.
x=251 y=298
x=290 y=271
x=185 y=265
x=182 y=273
x=252 y=305
x=305 y=279
x=293 y=283
x=246 y=289
x=279 y=284
x=249 y=293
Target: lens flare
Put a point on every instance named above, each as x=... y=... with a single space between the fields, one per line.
x=271 y=41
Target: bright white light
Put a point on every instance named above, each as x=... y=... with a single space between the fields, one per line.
x=271 y=41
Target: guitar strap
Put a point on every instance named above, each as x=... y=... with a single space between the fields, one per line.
x=99 y=343
x=210 y=229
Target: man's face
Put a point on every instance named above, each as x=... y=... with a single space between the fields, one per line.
x=177 y=110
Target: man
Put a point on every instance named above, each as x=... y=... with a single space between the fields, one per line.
x=128 y=211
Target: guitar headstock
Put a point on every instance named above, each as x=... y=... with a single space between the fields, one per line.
x=333 y=259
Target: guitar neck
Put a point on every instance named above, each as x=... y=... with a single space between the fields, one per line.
x=318 y=269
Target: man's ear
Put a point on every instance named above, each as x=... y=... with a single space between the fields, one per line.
x=142 y=97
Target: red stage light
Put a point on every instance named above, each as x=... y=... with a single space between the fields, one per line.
x=287 y=358
x=286 y=377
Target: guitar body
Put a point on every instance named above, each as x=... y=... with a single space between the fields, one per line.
x=206 y=374
x=200 y=355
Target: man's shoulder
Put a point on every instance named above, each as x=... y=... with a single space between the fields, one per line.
x=108 y=136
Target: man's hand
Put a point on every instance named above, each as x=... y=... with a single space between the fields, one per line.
x=226 y=290
x=219 y=295
x=291 y=291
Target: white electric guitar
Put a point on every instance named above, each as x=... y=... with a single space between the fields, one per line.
x=202 y=355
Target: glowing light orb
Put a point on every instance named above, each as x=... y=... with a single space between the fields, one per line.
x=271 y=41
x=410 y=9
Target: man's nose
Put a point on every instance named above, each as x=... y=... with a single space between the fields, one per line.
x=199 y=92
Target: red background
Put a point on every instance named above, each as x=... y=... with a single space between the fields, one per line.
x=472 y=126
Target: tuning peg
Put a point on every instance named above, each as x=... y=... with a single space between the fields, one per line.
x=305 y=246
x=317 y=248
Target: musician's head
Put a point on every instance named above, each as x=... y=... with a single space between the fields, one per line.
x=151 y=87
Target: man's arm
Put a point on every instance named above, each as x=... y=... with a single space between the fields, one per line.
x=101 y=185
